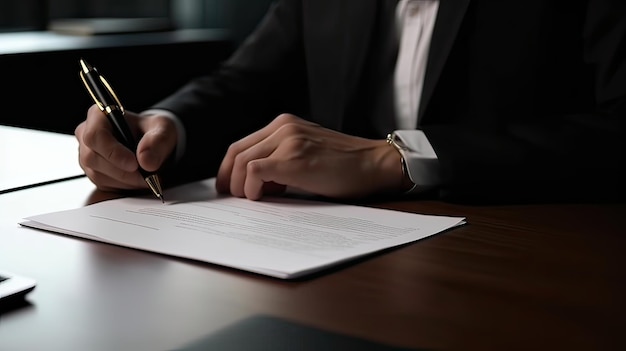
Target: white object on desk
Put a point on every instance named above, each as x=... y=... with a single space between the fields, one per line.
x=13 y=286
x=30 y=157
x=280 y=237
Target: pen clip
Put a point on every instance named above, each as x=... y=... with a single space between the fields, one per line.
x=109 y=89
x=112 y=93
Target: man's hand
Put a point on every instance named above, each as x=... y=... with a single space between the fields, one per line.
x=109 y=164
x=296 y=153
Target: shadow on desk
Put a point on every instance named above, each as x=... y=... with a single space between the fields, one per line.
x=14 y=305
x=267 y=333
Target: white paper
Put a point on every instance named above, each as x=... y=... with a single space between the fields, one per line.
x=280 y=236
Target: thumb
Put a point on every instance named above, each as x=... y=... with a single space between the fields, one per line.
x=157 y=143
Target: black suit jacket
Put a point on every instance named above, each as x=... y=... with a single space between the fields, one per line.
x=522 y=101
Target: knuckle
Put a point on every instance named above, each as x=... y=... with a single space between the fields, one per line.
x=298 y=143
x=89 y=137
x=78 y=131
x=92 y=137
x=234 y=147
x=291 y=129
x=284 y=118
x=253 y=168
x=93 y=109
x=239 y=161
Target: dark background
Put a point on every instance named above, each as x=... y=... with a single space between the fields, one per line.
x=41 y=88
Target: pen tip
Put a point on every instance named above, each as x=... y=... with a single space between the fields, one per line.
x=162 y=199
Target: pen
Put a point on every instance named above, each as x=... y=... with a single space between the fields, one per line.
x=108 y=102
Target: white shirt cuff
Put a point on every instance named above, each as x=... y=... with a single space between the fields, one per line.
x=420 y=157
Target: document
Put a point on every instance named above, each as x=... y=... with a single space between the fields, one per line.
x=283 y=237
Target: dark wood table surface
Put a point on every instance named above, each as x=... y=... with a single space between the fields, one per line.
x=514 y=278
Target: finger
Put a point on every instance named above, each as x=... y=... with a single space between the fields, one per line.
x=272 y=175
x=288 y=164
x=223 y=182
x=239 y=169
x=291 y=134
x=127 y=180
x=255 y=190
x=97 y=135
x=103 y=173
x=259 y=174
x=158 y=142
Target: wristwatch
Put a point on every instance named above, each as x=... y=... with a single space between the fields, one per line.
x=407 y=184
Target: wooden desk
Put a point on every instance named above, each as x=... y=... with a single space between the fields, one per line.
x=514 y=278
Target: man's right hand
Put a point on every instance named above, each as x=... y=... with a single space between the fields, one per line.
x=109 y=164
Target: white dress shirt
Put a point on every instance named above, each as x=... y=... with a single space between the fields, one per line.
x=415 y=20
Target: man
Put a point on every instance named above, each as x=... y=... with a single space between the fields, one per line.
x=487 y=101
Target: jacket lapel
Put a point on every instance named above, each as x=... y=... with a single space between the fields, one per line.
x=338 y=38
x=449 y=18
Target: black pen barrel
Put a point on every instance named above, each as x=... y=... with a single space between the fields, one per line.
x=98 y=89
x=121 y=130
